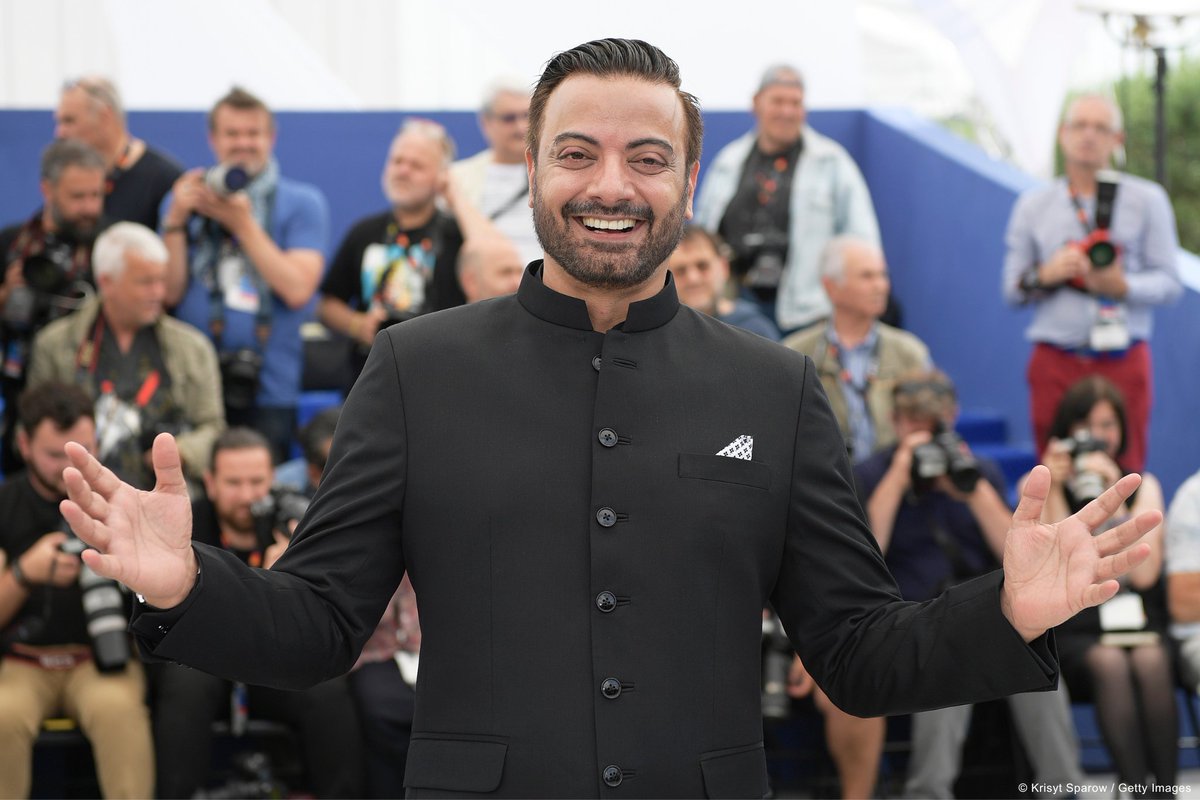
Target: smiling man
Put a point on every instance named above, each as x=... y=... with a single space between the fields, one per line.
x=640 y=480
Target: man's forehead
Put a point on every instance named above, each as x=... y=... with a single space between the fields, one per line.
x=632 y=108
x=79 y=174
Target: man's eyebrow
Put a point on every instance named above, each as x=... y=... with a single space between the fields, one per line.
x=653 y=142
x=568 y=135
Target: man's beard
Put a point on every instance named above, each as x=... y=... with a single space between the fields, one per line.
x=47 y=482
x=81 y=230
x=602 y=266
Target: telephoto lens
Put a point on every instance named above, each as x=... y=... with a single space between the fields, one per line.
x=225 y=179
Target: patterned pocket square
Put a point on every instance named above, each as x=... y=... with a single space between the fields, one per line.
x=742 y=447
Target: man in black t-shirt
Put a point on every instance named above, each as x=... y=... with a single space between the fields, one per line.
x=48 y=666
x=138 y=176
x=401 y=263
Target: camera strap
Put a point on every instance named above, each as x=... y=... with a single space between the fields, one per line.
x=227 y=247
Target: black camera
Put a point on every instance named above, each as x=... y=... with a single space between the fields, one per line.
x=777 y=656
x=275 y=512
x=104 y=610
x=1086 y=485
x=946 y=454
x=1098 y=246
x=759 y=257
x=48 y=286
x=240 y=373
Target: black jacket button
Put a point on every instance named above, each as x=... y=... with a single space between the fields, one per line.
x=606 y=601
x=606 y=517
x=596 y=363
x=612 y=775
x=607 y=437
x=610 y=688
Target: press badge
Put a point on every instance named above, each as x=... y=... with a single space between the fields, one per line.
x=1124 y=612
x=239 y=289
x=1109 y=329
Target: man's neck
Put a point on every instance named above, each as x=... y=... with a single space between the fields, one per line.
x=607 y=308
x=123 y=333
x=116 y=149
x=1081 y=179
x=413 y=218
x=43 y=491
x=239 y=540
x=852 y=329
x=771 y=147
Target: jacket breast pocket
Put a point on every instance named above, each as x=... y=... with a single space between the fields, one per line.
x=735 y=772
x=725 y=470
x=454 y=763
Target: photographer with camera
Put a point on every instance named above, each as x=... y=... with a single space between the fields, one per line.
x=47 y=265
x=240 y=513
x=147 y=371
x=1115 y=655
x=247 y=249
x=1092 y=253
x=395 y=265
x=777 y=195
x=64 y=642
x=939 y=516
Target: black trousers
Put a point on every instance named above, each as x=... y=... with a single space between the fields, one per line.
x=187 y=701
x=385 y=706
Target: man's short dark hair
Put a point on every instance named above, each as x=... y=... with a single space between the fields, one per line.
x=237 y=438
x=64 y=404
x=614 y=58
x=714 y=239
x=1079 y=400
x=924 y=394
x=241 y=100
x=63 y=153
x=316 y=432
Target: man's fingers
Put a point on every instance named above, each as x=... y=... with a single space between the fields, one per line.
x=168 y=468
x=1096 y=512
x=1098 y=593
x=1115 y=566
x=103 y=565
x=91 y=503
x=85 y=527
x=1127 y=532
x=98 y=477
x=1033 y=496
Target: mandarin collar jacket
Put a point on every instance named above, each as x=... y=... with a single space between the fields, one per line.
x=590 y=570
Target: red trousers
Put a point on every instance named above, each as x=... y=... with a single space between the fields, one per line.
x=1052 y=371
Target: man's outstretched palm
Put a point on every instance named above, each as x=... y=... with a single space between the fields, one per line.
x=1053 y=571
x=142 y=539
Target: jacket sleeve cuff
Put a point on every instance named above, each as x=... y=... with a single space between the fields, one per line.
x=150 y=625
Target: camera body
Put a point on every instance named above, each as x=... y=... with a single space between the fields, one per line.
x=945 y=454
x=275 y=512
x=48 y=285
x=1098 y=245
x=104 y=610
x=241 y=371
x=759 y=257
x=1086 y=485
x=777 y=655
x=225 y=179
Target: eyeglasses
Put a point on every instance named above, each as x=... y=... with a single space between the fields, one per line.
x=1098 y=127
x=511 y=117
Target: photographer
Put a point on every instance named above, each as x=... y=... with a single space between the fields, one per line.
x=1115 y=655
x=47 y=264
x=246 y=252
x=777 y=195
x=187 y=701
x=59 y=659
x=1092 y=311
x=400 y=263
x=940 y=519
x=147 y=371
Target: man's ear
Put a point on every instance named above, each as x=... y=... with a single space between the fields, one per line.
x=23 y=442
x=691 y=187
x=531 y=170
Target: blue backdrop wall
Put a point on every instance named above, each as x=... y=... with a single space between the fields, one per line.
x=942 y=205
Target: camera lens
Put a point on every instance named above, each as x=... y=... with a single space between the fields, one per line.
x=1102 y=254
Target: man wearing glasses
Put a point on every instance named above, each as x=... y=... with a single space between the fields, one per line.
x=1092 y=305
x=138 y=177
x=495 y=180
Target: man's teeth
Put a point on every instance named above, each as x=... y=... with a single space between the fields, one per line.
x=609 y=224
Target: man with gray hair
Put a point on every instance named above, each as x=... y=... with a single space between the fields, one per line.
x=495 y=180
x=400 y=263
x=1092 y=305
x=138 y=176
x=857 y=356
x=47 y=264
x=148 y=372
x=777 y=195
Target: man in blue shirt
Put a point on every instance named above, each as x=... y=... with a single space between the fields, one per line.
x=1091 y=318
x=245 y=264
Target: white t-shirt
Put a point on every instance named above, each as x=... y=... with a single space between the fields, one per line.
x=506 y=189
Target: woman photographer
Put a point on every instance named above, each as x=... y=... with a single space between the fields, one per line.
x=1116 y=655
